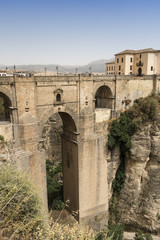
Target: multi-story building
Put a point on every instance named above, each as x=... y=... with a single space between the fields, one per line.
x=145 y=61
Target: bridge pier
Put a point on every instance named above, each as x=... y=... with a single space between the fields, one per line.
x=92 y=170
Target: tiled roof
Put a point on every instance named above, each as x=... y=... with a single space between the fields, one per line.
x=128 y=51
x=111 y=62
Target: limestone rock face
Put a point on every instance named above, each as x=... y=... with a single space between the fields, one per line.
x=139 y=204
x=113 y=159
x=6 y=153
x=9 y=155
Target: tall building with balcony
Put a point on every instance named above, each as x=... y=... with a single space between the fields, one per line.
x=140 y=62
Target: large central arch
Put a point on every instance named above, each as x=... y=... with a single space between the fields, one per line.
x=69 y=161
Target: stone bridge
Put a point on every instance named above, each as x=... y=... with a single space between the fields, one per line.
x=85 y=104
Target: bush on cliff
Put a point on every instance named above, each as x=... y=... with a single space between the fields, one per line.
x=140 y=236
x=20 y=214
x=1 y=138
x=144 y=109
x=121 y=132
x=20 y=208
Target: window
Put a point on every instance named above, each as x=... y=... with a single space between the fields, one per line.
x=117 y=60
x=119 y=67
x=130 y=67
x=107 y=69
x=119 y=73
x=121 y=59
x=112 y=68
x=140 y=56
x=151 y=68
x=131 y=59
x=58 y=97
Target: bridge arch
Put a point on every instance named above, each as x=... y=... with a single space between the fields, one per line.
x=5 y=104
x=69 y=158
x=103 y=97
x=52 y=111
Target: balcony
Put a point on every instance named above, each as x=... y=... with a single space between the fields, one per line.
x=140 y=64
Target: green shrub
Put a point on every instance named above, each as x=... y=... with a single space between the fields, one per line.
x=54 y=186
x=144 y=109
x=20 y=207
x=116 y=231
x=140 y=236
x=1 y=138
x=121 y=132
x=119 y=180
x=58 y=204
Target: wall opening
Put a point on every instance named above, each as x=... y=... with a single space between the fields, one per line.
x=5 y=104
x=139 y=71
x=62 y=151
x=58 y=97
x=103 y=98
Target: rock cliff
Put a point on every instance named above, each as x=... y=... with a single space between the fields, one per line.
x=139 y=200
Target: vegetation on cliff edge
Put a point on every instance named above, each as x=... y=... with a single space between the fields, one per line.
x=143 y=111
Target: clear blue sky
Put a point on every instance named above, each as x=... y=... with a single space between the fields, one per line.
x=75 y=32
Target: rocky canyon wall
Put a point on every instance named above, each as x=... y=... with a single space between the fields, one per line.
x=139 y=200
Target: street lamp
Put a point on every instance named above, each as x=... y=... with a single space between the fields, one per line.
x=90 y=68
x=57 y=70
x=45 y=69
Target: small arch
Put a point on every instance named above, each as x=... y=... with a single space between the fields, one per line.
x=103 y=97
x=58 y=97
x=5 y=104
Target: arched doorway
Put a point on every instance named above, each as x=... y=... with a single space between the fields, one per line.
x=103 y=98
x=5 y=103
x=139 y=71
x=60 y=138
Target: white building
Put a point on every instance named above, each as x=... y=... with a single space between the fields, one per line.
x=145 y=61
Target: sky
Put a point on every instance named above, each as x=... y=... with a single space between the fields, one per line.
x=75 y=32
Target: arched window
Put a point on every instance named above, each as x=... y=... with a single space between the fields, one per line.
x=139 y=71
x=58 y=97
x=5 y=103
x=103 y=98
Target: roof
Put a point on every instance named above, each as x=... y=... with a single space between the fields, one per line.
x=111 y=62
x=129 y=51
